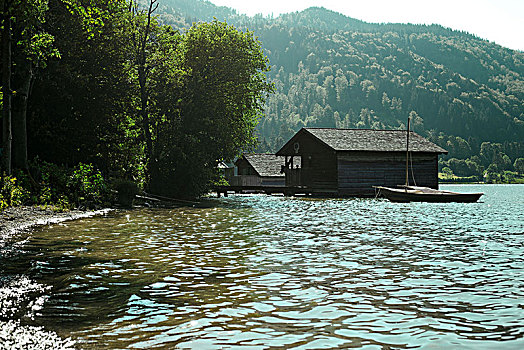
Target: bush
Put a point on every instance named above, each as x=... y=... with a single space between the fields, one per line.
x=53 y=181
x=508 y=176
x=127 y=190
x=57 y=186
x=11 y=192
x=65 y=188
x=87 y=186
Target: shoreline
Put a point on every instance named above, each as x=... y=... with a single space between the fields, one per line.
x=15 y=224
x=15 y=220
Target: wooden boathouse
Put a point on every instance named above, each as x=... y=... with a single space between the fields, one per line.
x=259 y=173
x=349 y=162
x=258 y=170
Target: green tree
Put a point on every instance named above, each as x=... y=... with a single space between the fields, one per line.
x=508 y=176
x=6 y=39
x=492 y=174
x=417 y=122
x=81 y=106
x=223 y=97
x=474 y=167
x=143 y=43
x=519 y=165
x=490 y=153
x=23 y=25
x=447 y=171
x=459 y=166
x=34 y=48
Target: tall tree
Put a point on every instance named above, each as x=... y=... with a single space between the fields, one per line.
x=7 y=136
x=226 y=89
x=222 y=99
x=142 y=37
x=34 y=47
x=22 y=24
x=81 y=105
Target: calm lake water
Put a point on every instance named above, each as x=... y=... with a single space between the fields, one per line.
x=262 y=272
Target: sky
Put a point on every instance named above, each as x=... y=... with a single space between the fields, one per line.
x=499 y=21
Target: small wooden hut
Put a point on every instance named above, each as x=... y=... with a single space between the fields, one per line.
x=349 y=162
x=260 y=169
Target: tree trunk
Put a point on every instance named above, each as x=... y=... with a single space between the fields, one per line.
x=23 y=76
x=144 y=112
x=142 y=81
x=152 y=164
x=6 y=90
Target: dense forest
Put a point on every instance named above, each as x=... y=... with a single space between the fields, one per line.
x=462 y=92
x=99 y=93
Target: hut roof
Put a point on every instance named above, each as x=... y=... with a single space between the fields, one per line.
x=369 y=140
x=265 y=164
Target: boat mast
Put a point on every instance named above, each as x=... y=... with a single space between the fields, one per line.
x=407 y=154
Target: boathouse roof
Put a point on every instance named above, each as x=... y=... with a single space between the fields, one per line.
x=265 y=164
x=364 y=140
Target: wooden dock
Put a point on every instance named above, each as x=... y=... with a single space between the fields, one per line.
x=271 y=190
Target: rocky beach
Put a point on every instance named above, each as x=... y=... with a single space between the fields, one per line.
x=15 y=226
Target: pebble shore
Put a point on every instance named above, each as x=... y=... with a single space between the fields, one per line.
x=15 y=224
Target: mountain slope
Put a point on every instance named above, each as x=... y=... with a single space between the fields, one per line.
x=332 y=70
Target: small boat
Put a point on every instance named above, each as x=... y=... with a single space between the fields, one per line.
x=407 y=193
x=425 y=194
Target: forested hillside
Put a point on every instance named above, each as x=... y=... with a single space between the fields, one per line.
x=462 y=92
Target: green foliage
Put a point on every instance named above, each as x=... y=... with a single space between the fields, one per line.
x=227 y=87
x=447 y=171
x=84 y=100
x=508 y=176
x=164 y=114
x=127 y=190
x=461 y=167
x=219 y=180
x=87 y=186
x=53 y=181
x=53 y=191
x=67 y=188
x=32 y=42
x=492 y=174
x=519 y=165
x=331 y=70
x=11 y=192
x=222 y=97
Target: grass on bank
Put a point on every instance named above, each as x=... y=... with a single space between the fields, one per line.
x=506 y=177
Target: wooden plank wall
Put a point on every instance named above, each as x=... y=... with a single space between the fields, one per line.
x=358 y=173
x=322 y=173
x=318 y=164
x=246 y=180
x=244 y=168
x=273 y=181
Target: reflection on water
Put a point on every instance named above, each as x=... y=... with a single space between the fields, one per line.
x=264 y=272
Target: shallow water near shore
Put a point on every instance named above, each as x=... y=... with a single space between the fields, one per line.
x=259 y=272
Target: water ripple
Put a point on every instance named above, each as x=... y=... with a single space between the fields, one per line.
x=261 y=272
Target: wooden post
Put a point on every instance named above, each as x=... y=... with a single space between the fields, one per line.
x=407 y=154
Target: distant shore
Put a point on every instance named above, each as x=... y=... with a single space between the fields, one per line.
x=465 y=182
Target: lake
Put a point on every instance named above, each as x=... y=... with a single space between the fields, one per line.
x=264 y=272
